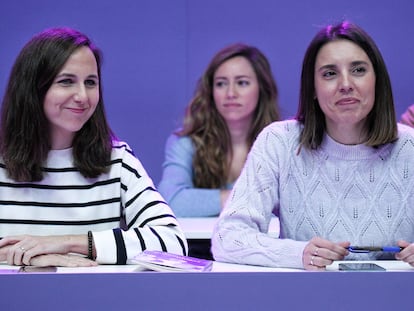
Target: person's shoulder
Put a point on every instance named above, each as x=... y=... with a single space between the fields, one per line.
x=287 y=127
x=405 y=142
x=405 y=131
x=120 y=147
x=175 y=140
x=183 y=139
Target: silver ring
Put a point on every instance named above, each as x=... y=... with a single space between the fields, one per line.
x=23 y=249
x=316 y=251
x=311 y=261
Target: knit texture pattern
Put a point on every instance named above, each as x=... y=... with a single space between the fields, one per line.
x=352 y=193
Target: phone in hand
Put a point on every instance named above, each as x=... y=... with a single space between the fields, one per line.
x=360 y=267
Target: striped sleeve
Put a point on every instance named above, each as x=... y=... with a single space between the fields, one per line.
x=149 y=223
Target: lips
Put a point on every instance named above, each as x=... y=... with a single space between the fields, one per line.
x=231 y=105
x=347 y=101
x=77 y=110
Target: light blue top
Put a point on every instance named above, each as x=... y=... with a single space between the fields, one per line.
x=177 y=185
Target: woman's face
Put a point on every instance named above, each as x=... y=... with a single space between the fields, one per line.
x=236 y=90
x=72 y=98
x=345 y=89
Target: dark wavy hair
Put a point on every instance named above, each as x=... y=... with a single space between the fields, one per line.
x=24 y=131
x=207 y=128
x=381 y=124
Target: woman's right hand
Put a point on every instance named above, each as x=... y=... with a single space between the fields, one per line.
x=320 y=253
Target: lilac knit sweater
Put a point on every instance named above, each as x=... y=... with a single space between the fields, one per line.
x=339 y=192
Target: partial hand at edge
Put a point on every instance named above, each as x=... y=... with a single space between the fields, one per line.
x=407 y=254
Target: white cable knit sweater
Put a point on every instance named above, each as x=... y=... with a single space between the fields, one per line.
x=339 y=192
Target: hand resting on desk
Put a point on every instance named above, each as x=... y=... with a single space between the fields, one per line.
x=60 y=260
x=43 y=251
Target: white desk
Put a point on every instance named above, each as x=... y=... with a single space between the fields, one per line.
x=389 y=265
x=202 y=227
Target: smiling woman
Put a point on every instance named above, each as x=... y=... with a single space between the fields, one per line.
x=71 y=194
x=72 y=98
x=345 y=88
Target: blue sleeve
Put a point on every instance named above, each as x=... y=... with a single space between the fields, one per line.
x=177 y=186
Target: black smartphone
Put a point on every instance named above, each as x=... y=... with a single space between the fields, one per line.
x=360 y=267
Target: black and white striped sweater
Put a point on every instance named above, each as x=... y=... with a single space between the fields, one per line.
x=122 y=207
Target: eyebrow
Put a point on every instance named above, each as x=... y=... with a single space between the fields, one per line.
x=237 y=77
x=70 y=75
x=353 y=64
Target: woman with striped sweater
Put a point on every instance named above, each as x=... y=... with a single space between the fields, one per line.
x=71 y=194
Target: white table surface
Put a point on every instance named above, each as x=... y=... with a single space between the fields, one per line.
x=389 y=265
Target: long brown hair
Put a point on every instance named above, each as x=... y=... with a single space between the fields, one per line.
x=24 y=131
x=207 y=128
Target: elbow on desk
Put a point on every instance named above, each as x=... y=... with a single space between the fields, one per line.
x=218 y=249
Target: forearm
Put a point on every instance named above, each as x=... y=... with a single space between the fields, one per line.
x=256 y=248
x=119 y=247
x=79 y=244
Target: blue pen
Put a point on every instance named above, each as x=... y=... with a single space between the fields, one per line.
x=367 y=249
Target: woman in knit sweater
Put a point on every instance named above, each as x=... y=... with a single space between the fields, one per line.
x=340 y=174
x=71 y=194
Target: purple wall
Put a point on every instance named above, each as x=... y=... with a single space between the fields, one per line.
x=155 y=50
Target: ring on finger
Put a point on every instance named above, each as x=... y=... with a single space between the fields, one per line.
x=311 y=261
x=23 y=249
x=316 y=251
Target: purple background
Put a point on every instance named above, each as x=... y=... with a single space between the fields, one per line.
x=155 y=50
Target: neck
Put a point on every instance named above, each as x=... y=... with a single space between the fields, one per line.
x=348 y=134
x=239 y=132
x=60 y=142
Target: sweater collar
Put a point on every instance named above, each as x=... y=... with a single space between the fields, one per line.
x=332 y=148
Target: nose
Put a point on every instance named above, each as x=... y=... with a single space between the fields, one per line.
x=80 y=95
x=346 y=85
x=231 y=91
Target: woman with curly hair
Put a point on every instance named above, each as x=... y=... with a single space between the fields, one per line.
x=234 y=100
